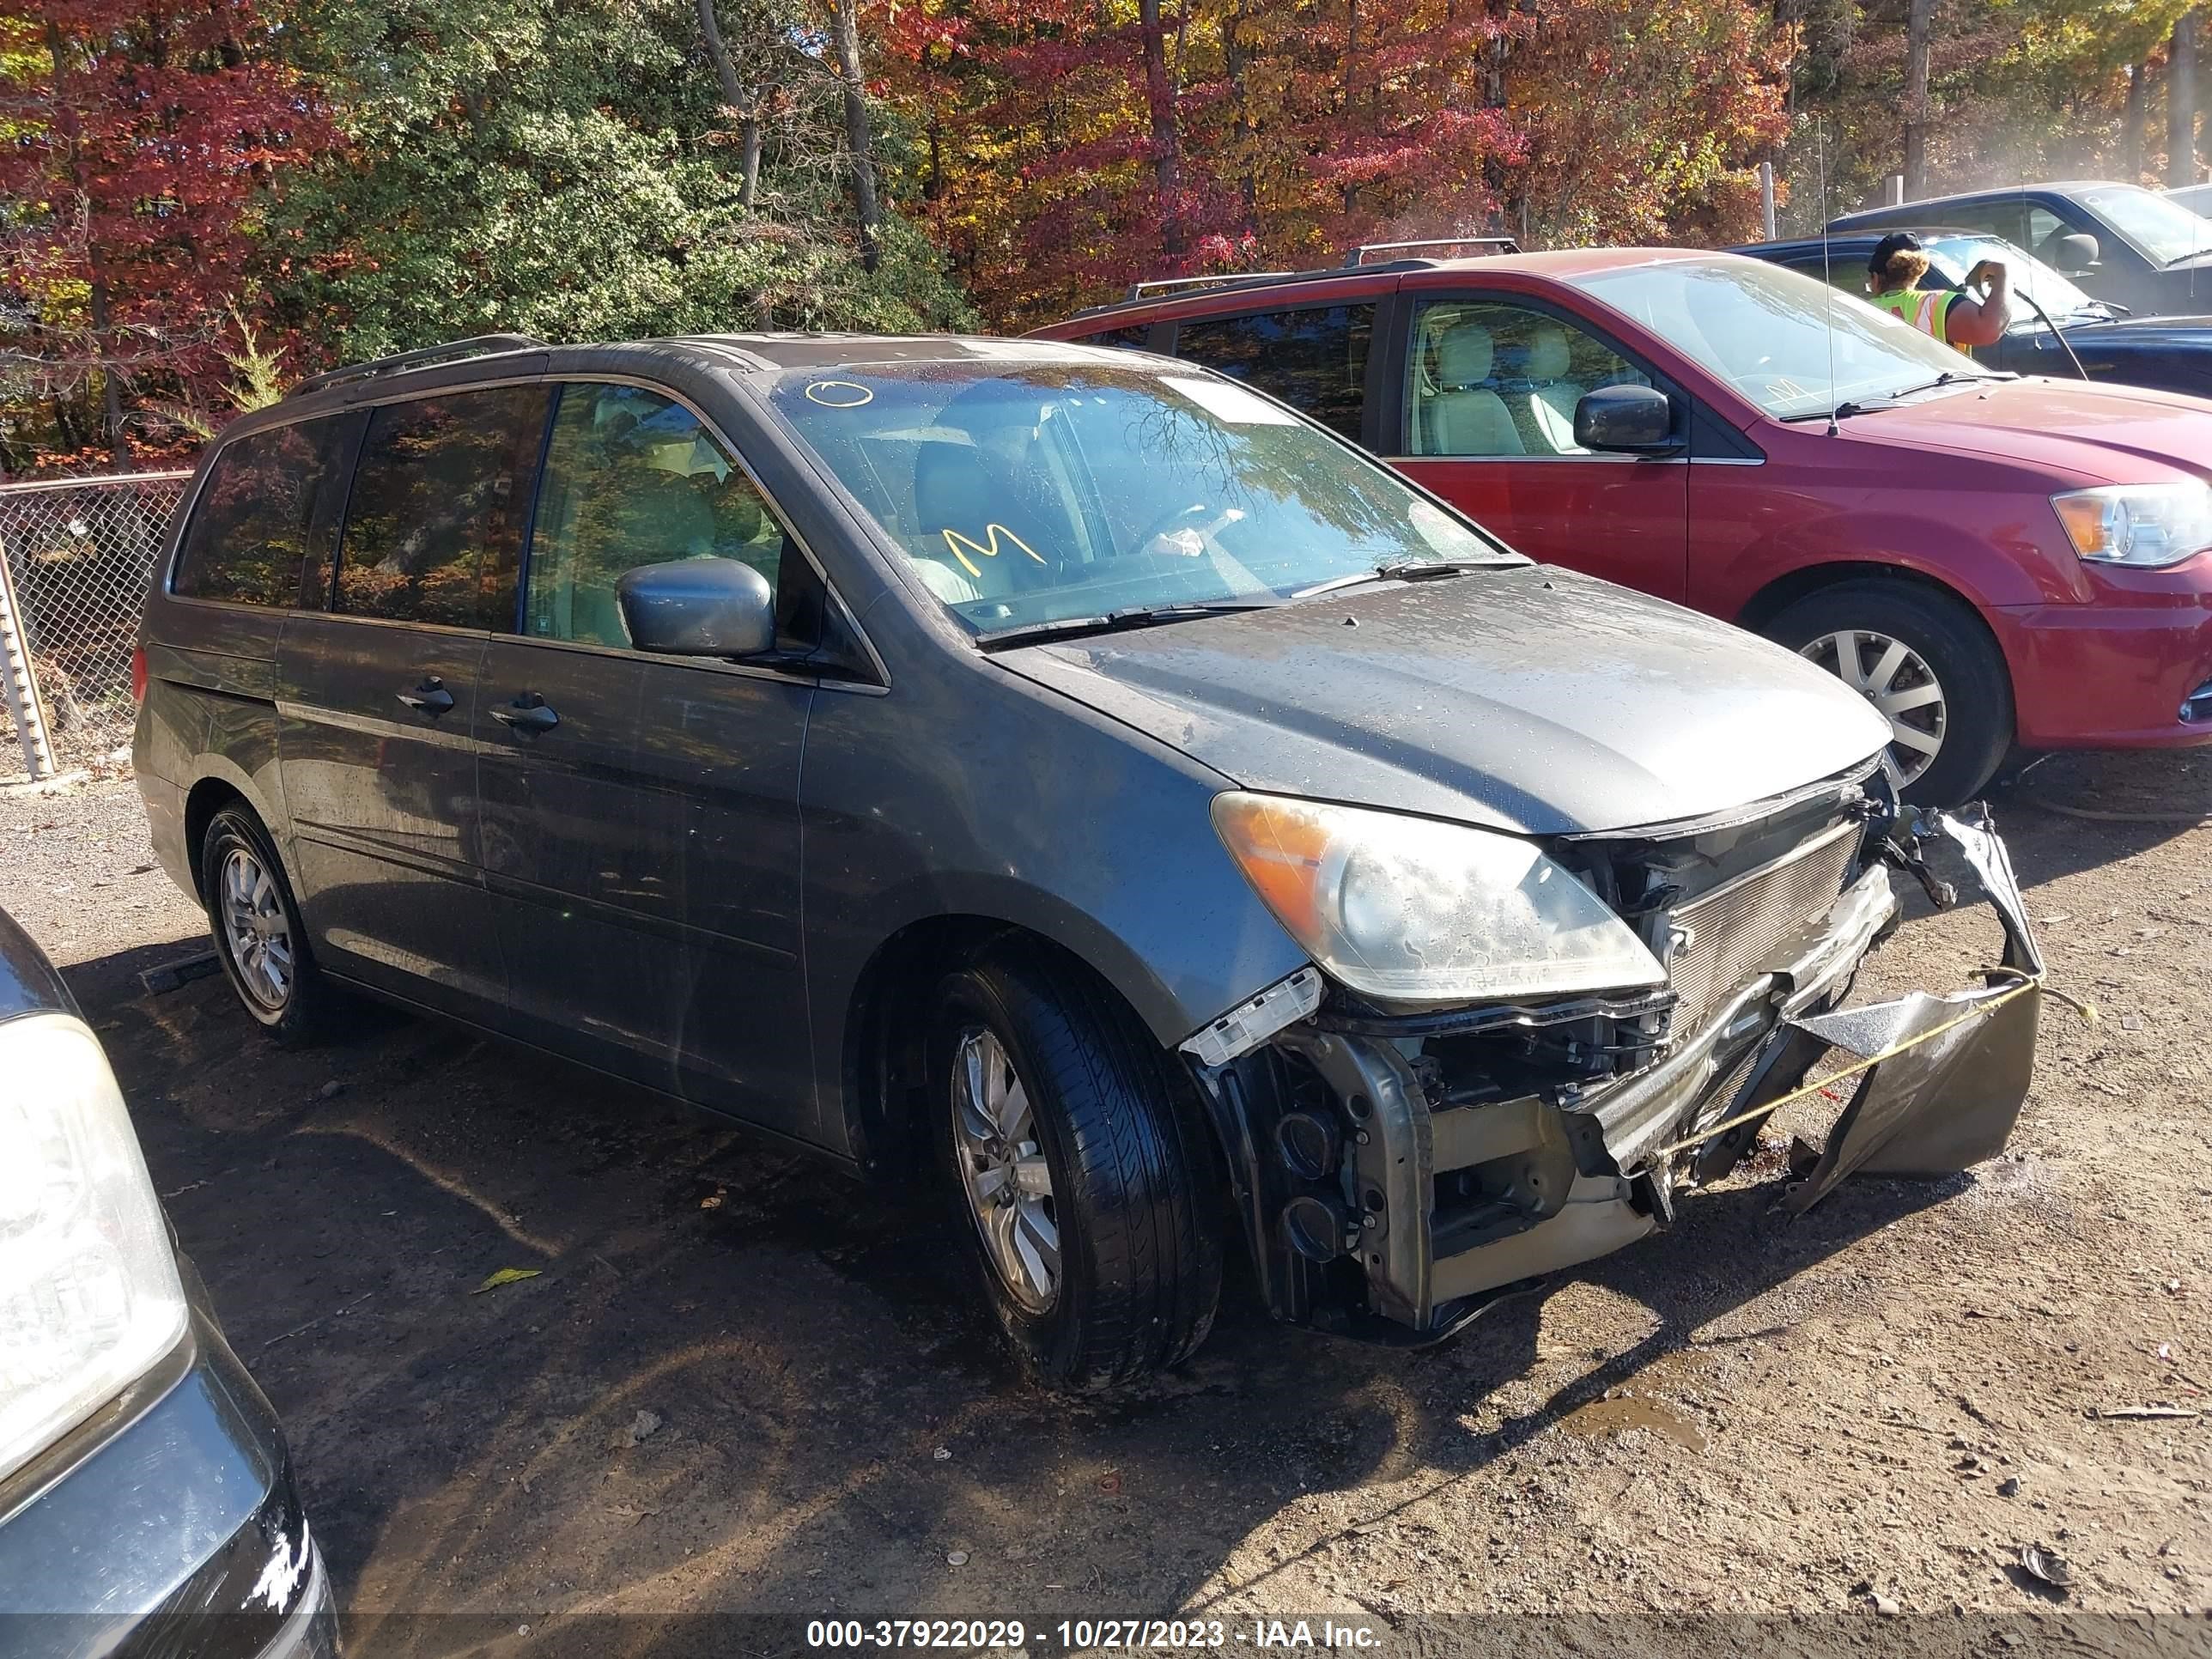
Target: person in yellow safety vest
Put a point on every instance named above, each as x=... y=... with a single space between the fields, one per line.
x=1958 y=319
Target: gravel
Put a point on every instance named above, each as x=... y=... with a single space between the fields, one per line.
x=1879 y=1406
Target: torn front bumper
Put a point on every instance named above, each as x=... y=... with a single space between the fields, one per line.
x=1383 y=1203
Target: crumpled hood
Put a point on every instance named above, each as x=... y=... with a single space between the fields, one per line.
x=1528 y=699
x=2079 y=432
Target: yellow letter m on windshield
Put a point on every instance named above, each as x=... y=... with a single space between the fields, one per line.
x=989 y=549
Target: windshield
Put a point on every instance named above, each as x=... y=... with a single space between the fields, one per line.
x=1950 y=259
x=1037 y=491
x=1788 y=342
x=2159 y=228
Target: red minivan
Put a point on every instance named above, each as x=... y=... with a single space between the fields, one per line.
x=1993 y=561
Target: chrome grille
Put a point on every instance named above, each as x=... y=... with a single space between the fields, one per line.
x=1727 y=935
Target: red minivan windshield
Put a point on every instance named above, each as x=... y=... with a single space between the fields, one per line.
x=1789 y=343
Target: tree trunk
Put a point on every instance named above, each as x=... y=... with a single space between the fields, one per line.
x=1160 y=105
x=746 y=105
x=1350 y=91
x=103 y=340
x=111 y=381
x=858 y=138
x=1916 y=99
x=1236 y=62
x=2131 y=127
x=2181 y=103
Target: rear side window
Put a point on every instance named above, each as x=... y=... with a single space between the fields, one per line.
x=1136 y=338
x=248 y=540
x=434 y=526
x=1314 y=360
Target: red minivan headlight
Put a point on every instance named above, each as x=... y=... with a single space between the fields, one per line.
x=2142 y=524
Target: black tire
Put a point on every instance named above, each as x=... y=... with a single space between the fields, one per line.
x=1133 y=1178
x=1964 y=660
x=310 y=1007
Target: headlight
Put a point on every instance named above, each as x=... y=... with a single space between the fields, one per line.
x=2142 y=524
x=1411 y=912
x=89 y=1298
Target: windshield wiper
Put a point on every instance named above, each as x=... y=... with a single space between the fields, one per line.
x=1114 y=622
x=1844 y=410
x=1948 y=377
x=2193 y=253
x=1399 y=570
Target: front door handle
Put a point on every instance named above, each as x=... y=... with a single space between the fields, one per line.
x=430 y=698
x=527 y=712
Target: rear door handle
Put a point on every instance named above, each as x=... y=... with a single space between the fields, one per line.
x=527 y=712
x=430 y=698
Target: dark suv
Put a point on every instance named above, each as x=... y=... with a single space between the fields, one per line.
x=2124 y=244
x=1075 y=769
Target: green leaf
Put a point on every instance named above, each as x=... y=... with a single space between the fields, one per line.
x=506 y=1276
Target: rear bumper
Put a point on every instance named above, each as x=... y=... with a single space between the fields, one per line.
x=2113 y=674
x=165 y=824
x=167 y=1525
x=1445 y=1205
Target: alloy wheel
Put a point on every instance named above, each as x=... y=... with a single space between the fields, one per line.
x=255 y=931
x=1902 y=688
x=1003 y=1171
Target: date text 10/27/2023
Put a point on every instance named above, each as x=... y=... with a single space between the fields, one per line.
x=1086 y=1635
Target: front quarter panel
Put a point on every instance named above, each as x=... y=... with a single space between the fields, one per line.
x=966 y=791
x=1980 y=529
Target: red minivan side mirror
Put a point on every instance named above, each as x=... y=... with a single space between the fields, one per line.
x=1634 y=420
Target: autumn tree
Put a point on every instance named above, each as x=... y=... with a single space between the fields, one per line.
x=146 y=141
x=584 y=169
x=1098 y=142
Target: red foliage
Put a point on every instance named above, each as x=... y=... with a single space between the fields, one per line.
x=150 y=133
x=1294 y=129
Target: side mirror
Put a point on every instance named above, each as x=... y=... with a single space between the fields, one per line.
x=1635 y=420
x=698 y=608
x=2075 y=254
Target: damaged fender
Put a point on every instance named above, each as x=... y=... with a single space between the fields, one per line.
x=1949 y=1073
x=1393 y=1185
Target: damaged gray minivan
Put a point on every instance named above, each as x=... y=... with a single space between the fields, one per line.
x=1065 y=775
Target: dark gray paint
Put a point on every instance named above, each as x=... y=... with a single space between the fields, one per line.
x=1527 y=698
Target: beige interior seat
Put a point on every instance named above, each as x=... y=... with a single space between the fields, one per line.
x=1463 y=416
x=1551 y=400
x=952 y=491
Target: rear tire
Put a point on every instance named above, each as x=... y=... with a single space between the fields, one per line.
x=258 y=935
x=1085 y=1192
x=1855 y=629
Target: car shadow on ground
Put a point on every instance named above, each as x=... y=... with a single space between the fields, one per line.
x=738 y=1380
x=2071 y=812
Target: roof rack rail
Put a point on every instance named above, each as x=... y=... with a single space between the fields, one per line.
x=1161 y=284
x=476 y=345
x=1260 y=279
x=1495 y=243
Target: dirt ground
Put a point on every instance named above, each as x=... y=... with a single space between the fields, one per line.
x=740 y=1383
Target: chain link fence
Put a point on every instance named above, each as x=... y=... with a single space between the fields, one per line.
x=76 y=554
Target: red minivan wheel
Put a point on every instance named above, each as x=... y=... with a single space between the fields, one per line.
x=1927 y=665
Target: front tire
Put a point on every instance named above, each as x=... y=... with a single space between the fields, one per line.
x=258 y=936
x=1085 y=1191
x=1927 y=665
